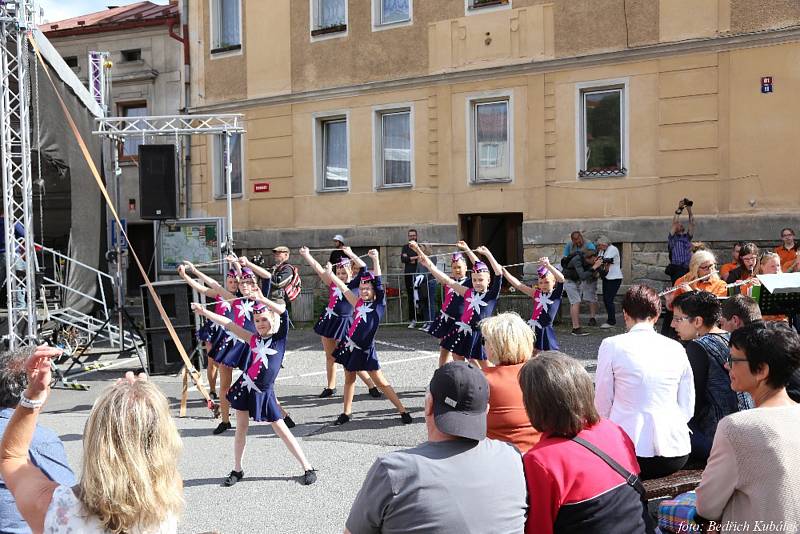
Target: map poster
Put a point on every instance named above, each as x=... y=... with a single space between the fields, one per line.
x=196 y=240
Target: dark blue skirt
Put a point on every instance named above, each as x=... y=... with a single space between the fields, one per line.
x=465 y=344
x=546 y=338
x=205 y=332
x=262 y=406
x=333 y=327
x=233 y=354
x=357 y=360
x=441 y=326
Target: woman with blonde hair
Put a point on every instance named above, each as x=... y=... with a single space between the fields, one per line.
x=509 y=343
x=702 y=276
x=129 y=482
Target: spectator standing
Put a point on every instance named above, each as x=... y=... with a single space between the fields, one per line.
x=425 y=284
x=46 y=450
x=409 y=260
x=581 y=274
x=695 y=319
x=679 y=243
x=129 y=476
x=457 y=481
x=644 y=384
x=282 y=274
x=754 y=470
x=337 y=254
x=508 y=344
x=611 y=273
x=788 y=249
x=725 y=270
x=571 y=488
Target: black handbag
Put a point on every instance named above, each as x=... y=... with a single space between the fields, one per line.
x=633 y=480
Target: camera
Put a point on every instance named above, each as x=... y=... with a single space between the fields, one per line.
x=686 y=204
x=608 y=260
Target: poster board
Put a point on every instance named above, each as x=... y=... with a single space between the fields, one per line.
x=197 y=240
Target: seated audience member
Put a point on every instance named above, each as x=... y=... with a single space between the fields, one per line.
x=457 y=481
x=695 y=317
x=754 y=469
x=46 y=450
x=129 y=477
x=748 y=261
x=734 y=263
x=571 y=488
x=508 y=342
x=644 y=384
x=738 y=311
x=787 y=251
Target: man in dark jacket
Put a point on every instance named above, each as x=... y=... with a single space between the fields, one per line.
x=581 y=274
x=409 y=259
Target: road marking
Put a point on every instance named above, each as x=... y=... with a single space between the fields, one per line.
x=395 y=345
x=383 y=364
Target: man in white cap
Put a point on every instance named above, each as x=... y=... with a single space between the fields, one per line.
x=457 y=481
x=338 y=254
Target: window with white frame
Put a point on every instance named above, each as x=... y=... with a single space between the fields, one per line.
x=394 y=148
x=490 y=135
x=475 y=5
x=328 y=16
x=333 y=166
x=602 y=136
x=391 y=12
x=130 y=147
x=220 y=180
x=226 y=25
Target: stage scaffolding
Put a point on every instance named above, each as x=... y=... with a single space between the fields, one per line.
x=17 y=18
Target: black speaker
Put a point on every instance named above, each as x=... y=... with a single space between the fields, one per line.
x=162 y=354
x=158 y=186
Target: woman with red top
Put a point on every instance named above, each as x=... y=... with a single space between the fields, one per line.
x=508 y=342
x=570 y=488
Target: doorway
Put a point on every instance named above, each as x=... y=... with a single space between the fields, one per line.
x=499 y=232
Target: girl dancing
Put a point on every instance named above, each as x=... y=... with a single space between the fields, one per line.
x=356 y=352
x=546 y=301
x=253 y=394
x=334 y=322
x=465 y=341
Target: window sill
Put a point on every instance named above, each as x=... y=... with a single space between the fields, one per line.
x=339 y=28
x=334 y=190
x=391 y=25
x=235 y=196
x=389 y=187
x=224 y=49
x=477 y=5
x=489 y=182
x=618 y=173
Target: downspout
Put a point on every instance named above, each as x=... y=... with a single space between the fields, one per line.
x=186 y=147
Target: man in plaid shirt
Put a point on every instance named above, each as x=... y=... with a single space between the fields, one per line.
x=680 y=243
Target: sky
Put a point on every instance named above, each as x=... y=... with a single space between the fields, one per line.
x=55 y=10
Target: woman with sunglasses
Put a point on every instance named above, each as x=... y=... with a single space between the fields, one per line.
x=695 y=317
x=753 y=471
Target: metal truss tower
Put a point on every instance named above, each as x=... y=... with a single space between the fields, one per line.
x=16 y=19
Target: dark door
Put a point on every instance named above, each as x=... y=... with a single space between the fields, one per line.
x=499 y=232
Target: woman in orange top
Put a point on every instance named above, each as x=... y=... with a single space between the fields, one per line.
x=770 y=263
x=508 y=342
x=788 y=250
x=701 y=265
x=728 y=267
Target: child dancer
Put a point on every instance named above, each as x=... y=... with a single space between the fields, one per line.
x=253 y=394
x=546 y=301
x=334 y=322
x=465 y=341
x=453 y=303
x=357 y=352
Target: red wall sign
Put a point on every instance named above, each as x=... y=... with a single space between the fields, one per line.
x=261 y=187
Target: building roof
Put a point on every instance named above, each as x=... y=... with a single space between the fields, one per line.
x=136 y=15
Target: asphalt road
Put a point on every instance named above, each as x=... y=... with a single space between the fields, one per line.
x=270 y=497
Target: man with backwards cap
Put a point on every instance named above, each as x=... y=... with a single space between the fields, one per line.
x=282 y=274
x=337 y=255
x=457 y=481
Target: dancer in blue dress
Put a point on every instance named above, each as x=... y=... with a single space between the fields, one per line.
x=253 y=394
x=465 y=340
x=546 y=301
x=357 y=351
x=334 y=322
x=453 y=303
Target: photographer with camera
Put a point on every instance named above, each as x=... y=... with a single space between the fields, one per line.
x=581 y=271
x=679 y=242
x=611 y=274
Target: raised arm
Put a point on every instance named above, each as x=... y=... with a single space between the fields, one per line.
x=519 y=286
x=197 y=286
x=439 y=275
x=214 y=287
x=259 y=271
x=349 y=295
x=314 y=264
x=354 y=258
x=690 y=226
x=462 y=245
x=558 y=275
x=224 y=322
x=376 y=262
x=276 y=307
x=486 y=253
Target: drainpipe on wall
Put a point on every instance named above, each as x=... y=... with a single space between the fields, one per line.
x=186 y=142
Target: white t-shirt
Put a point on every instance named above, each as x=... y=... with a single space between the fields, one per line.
x=614 y=270
x=65 y=515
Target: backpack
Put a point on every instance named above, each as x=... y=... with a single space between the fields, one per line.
x=566 y=259
x=292 y=289
x=569 y=272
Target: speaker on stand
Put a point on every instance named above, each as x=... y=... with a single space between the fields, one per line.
x=158 y=186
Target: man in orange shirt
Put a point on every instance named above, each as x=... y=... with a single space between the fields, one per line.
x=728 y=267
x=788 y=250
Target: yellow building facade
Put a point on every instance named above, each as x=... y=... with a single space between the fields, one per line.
x=510 y=122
